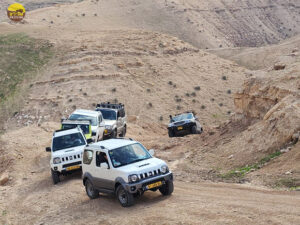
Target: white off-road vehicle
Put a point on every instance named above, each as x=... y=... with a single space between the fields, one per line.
x=96 y=119
x=66 y=152
x=125 y=168
x=115 y=119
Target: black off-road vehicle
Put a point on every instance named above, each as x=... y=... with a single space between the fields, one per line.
x=183 y=124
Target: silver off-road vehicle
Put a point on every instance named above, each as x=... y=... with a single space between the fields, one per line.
x=115 y=119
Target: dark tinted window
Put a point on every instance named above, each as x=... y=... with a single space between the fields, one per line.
x=68 y=141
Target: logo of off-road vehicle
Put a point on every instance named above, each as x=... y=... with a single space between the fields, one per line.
x=16 y=12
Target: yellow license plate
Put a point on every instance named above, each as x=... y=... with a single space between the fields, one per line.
x=179 y=128
x=73 y=167
x=154 y=185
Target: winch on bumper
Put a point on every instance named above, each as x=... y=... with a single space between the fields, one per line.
x=148 y=183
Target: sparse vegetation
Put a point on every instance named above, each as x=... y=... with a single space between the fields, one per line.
x=114 y=90
x=229 y=91
x=224 y=78
x=187 y=94
x=203 y=106
x=220 y=104
x=148 y=90
x=197 y=88
x=161 y=118
x=178 y=107
x=170 y=83
x=193 y=94
x=241 y=172
x=21 y=57
x=194 y=100
x=150 y=104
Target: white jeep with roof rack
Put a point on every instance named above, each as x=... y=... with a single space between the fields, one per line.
x=66 y=152
x=125 y=168
x=115 y=119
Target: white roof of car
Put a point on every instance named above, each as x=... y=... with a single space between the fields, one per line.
x=112 y=143
x=65 y=132
x=86 y=112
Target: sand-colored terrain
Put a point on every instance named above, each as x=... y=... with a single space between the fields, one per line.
x=151 y=56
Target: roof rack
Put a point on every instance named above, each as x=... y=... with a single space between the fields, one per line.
x=79 y=122
x=110 y=105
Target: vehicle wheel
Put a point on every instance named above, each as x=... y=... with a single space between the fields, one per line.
x=167 y=189
x=171 y=133
x=55 y=177
x=90 y=191
x=194 y=129
x=114 y=134
x=123 y=132
x=125 y=198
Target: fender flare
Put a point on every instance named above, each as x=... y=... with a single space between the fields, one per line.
x=86 y=176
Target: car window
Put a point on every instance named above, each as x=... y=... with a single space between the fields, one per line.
x=87 y=156
x=108 y=114
x=128 y=154
x=68 y=141
x=92 y=119
x=83 y=127
x=101 y=157
x=186 y=116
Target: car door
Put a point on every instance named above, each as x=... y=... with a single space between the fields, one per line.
x=102 y=174
x=101 y=127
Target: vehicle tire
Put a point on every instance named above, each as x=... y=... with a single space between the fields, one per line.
x=90 y=191
x=123 y=132
x=171 y=133
x=114 y=134
x=55 y=176
x=167 y=189
x=125 y=198
x=194 y=129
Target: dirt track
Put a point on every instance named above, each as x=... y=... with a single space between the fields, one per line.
x=31 y=198
x=200 y=203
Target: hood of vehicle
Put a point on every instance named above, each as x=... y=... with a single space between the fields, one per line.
x=143 y=166
x=181 y=122
x=110 y=122
x=68 y=151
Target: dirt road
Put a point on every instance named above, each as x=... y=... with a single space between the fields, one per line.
x=191 y=203
x=31 y=198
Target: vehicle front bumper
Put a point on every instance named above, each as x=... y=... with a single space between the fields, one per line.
x=141 y=185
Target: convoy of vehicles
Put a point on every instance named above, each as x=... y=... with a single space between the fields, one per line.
x=115 y=119
x=185 y=123
x=119 y=166
x=124 y=168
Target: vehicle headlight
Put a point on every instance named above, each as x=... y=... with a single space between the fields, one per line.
x=164 y=169
x=108 y=127
x=133 y=178
x=56 y=160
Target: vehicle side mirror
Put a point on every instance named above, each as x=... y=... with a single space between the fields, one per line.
x=89 y=141
x=104 y=165
x=151 y=151
x=48 y=149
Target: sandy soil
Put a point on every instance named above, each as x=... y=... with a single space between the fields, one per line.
x=97 y=53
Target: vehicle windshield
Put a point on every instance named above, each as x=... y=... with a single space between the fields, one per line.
x=92 y=119
x=68 y=141
x=108 y=114
x=128 y=154
x=186 y=116
x=84 y=127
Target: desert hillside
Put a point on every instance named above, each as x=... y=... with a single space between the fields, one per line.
x=205 y=24
x=152 y=56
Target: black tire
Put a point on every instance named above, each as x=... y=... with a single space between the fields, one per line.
x=194 y=129
x=90 y=190
x=171 y=133
x=114 y=134
x=125 y=198
x=167 y=188
x=55 y=176
x=123 y=132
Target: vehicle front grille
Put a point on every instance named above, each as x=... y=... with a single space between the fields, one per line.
x=149 y=174
x=71 y=157
x=72 y=164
